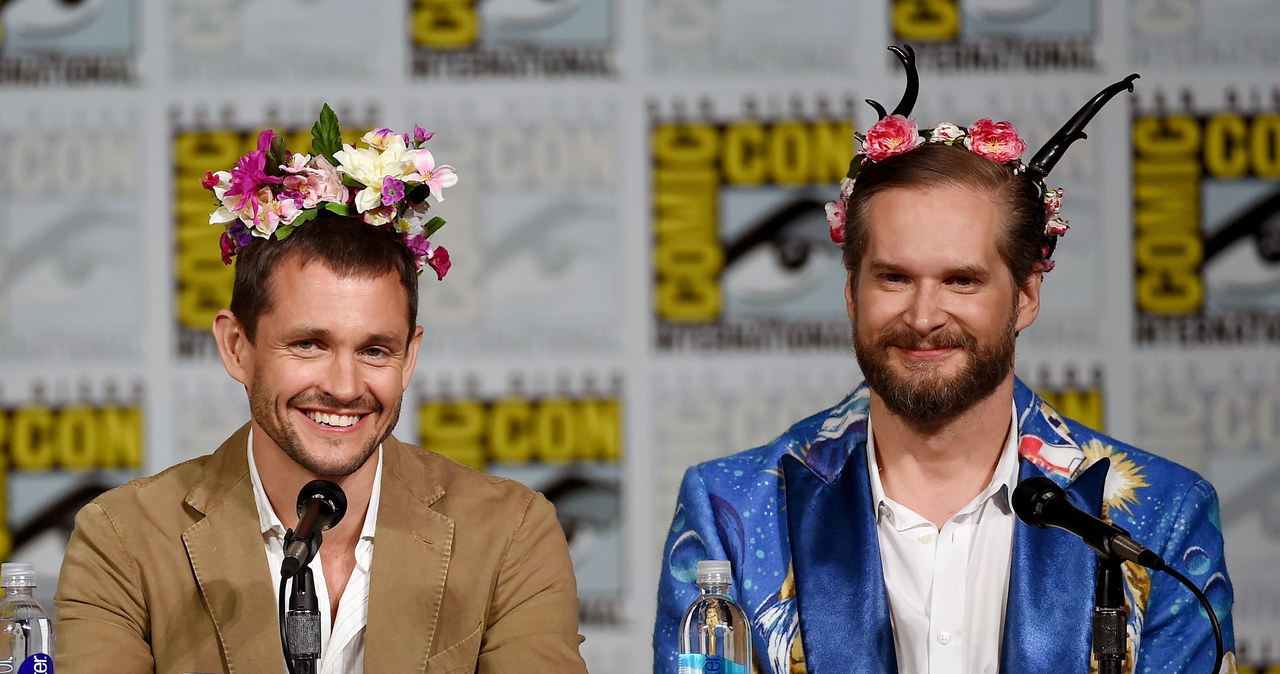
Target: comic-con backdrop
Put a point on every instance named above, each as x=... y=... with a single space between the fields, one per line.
x=642 y=277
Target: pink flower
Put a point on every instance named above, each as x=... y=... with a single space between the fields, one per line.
x=378 y=138
x=1056 y=227
x=427 y=173
x=425 y=253
x=1053 y=201
x=835 y=220
x=846 y=188
x=312 y=180
x=248 y=177
x=945 y=132
x=210 y=180
x=438 y=260
x=228 y=246
x=379 y=216
x=997 y=141
x=894 y=134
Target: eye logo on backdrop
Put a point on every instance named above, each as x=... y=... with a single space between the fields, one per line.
x=741 y=255
x=469 y=39
x=57 y=456
x=69 y=236
x=1186 y=34
x=717 y=38
x=565 y=442
x=998 y=35
x=538 y=263
x=45 y=42
x=202 y=281
x=238 y=40
x=1206 y=206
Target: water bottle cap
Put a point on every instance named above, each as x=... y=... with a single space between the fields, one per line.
x=717 y=571
x=18 y=574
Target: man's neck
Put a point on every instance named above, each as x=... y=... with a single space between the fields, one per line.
x=282 y=479
x=936 y=469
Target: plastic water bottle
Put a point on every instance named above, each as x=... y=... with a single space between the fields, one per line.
x=26 y=633
x=715 y=635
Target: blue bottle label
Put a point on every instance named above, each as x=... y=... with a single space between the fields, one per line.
x=697 y=663
x=38 y=663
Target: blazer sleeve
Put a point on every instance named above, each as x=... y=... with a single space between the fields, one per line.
x=101 y=616
x=533 y=619
x=1176 y=633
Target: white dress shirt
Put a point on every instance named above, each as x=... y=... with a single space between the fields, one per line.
x=948 y=587
x=342 y=642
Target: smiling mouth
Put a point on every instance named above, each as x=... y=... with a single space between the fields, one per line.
x=333 y=420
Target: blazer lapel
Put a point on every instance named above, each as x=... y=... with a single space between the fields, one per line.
x=226 y=552
x=841 y=599
x=1047 y=620
x=411 y=552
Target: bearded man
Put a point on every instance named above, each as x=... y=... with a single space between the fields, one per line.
x=879 y=535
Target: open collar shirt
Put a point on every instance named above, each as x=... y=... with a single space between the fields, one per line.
x=343 y=641
x=948 y=587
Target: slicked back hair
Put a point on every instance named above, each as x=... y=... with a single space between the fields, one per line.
x=930 y=166
x=349 y=247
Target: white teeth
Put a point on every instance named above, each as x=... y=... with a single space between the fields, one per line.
x=338 y=420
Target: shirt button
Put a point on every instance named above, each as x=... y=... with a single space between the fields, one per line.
x=925 y=539
x=944 y=638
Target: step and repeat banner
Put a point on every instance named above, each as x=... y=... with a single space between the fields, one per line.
x=642 y=277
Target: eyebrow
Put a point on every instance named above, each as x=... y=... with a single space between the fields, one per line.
x=326 y=335
x=968 y=270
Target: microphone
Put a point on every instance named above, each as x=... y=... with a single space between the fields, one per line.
x=321 y=504
x=1040 y=502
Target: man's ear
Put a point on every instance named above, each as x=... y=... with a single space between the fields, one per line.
x=1029 y=300
x=848 y=298
x=234 y=346
x=410 y=358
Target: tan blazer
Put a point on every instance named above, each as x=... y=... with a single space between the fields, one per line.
x=168 y=573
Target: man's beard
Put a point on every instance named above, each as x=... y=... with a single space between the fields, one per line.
x=925 y=396
x=286 y=436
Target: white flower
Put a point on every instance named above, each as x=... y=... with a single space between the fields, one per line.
x=369 y=166
x=945 y=132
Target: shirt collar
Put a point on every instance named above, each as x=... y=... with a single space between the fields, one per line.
x=1000 y=489
x=269 y=523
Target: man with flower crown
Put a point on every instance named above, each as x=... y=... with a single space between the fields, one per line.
x=433 y=567
x=879 y=535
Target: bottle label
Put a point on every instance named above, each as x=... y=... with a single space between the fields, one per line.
x=697 y=663
x=37 y=663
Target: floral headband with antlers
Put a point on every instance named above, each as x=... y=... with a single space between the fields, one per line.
x=895 y=134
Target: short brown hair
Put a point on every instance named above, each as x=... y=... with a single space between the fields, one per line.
x=934 y=165
x=346 y=245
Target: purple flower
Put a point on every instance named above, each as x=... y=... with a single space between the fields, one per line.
x=420 y=134
x=418 y=245
x=392 y=190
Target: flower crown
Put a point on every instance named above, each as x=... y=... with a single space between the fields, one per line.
x=997 y=141
x=272 y=191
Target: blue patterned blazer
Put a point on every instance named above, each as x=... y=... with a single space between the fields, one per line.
x=795 y=518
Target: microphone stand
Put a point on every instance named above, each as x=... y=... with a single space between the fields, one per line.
x=1109 y=615
x=300 y=625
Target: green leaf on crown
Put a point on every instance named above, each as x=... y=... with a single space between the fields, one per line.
x=283 y=231
x=275 y=157
x=340 y=209
x=433 y=226
x=326 y=139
